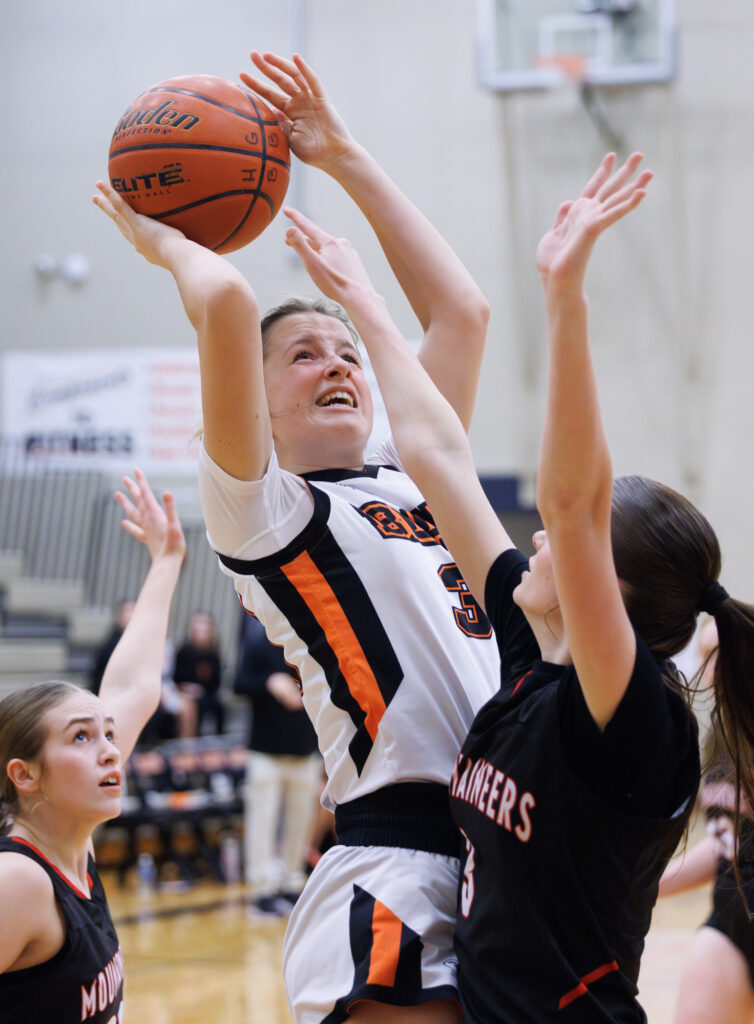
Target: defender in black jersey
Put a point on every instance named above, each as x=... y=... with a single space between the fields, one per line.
x=567 y=830
x=61 y=750
x=84 y=980
x=576 y=780
x=717 y=983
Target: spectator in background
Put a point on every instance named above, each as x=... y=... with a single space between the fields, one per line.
x=176 y=717
x=198 y=670
x=284 y=776
x=123 y=612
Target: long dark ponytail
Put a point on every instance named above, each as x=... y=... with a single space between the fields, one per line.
x=668 y=559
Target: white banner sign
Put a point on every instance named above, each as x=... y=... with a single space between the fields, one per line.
x=109 y=409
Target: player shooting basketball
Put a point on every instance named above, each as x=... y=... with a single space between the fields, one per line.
x=344 y=567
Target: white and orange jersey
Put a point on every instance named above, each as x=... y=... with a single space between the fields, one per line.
x=347 y=572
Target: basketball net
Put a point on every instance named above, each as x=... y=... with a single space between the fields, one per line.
x=571 y=67
x=571 y=70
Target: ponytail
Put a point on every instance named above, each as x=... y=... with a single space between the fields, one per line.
x=733 y=686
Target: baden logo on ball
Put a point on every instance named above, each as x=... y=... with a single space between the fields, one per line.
x=204 y=155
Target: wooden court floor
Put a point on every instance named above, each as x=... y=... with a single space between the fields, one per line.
x=196 y=957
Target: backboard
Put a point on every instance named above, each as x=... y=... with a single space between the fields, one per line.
x=534 y=44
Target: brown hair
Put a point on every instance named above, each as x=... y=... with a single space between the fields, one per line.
x=301 y=305
x=666 y=556
x=665 y=553
x=23 y=733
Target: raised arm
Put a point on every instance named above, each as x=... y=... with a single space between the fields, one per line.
x=448 y=304
x=429 y=435
x=574 y=482
x=223 y=310
x=132 y=681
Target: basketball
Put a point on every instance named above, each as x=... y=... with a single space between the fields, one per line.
x=204 y=155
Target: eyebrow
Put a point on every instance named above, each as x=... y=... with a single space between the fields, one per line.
x=314 y=339
x=85 y=720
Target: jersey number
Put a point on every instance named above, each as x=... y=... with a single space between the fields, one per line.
x=470 y=618
x=467 y=885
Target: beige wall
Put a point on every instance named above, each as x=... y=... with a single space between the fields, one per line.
x=670 y=294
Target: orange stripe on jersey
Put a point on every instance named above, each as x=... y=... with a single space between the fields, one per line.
x=327 y=610
x=580 y=989
x=386 y=946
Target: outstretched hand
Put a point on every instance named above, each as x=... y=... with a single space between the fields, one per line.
x=332 y=263
x=314 y=129
x=147 y=235
x=563 y=253
x=157 y=526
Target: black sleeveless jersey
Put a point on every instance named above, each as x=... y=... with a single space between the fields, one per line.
x=567 y=832
x=83 y=982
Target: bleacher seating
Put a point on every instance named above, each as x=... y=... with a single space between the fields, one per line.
x=65 y=562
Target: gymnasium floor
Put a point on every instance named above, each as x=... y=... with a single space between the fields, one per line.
x=194 y=957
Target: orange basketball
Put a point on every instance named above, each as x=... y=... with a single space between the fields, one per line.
x=204 y=155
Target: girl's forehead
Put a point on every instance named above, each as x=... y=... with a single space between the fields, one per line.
x=78 y=705
x=309 y=324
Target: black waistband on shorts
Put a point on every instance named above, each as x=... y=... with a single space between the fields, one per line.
x=412 y=815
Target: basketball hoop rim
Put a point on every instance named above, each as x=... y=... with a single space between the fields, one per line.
x=570 y=66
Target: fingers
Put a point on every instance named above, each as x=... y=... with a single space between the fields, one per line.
x=308 y=253
x=617 y=198
x=133 y=529
x=599 y=177
x=140 y=496
x=264 y=89
x=176 y=542
x=154 y=524
x=171 y=511
x=615 y=213
x=143 y=485
x=107 y=200
x=284 y=73
x=116 y=208
x=128 y=507
x=314 y=234
x=113 y=197
x=314 y=84
x=619 y=179
x=133 y=488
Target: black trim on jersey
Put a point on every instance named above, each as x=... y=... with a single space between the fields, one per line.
x=298 y=613
x=407 y=989
x=317 y=541
x=336 y=476
x=314 y=529
x=411 y=815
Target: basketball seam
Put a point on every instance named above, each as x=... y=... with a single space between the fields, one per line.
x=173 y=146
x=207 y=99
x=210 y=199
x=264 y=158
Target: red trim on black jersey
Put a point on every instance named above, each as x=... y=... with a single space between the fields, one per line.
x=520 y=681
x=581 y=988
x=83 y=895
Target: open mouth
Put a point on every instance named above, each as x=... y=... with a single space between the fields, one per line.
x=336 y=398
x=110 y=781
